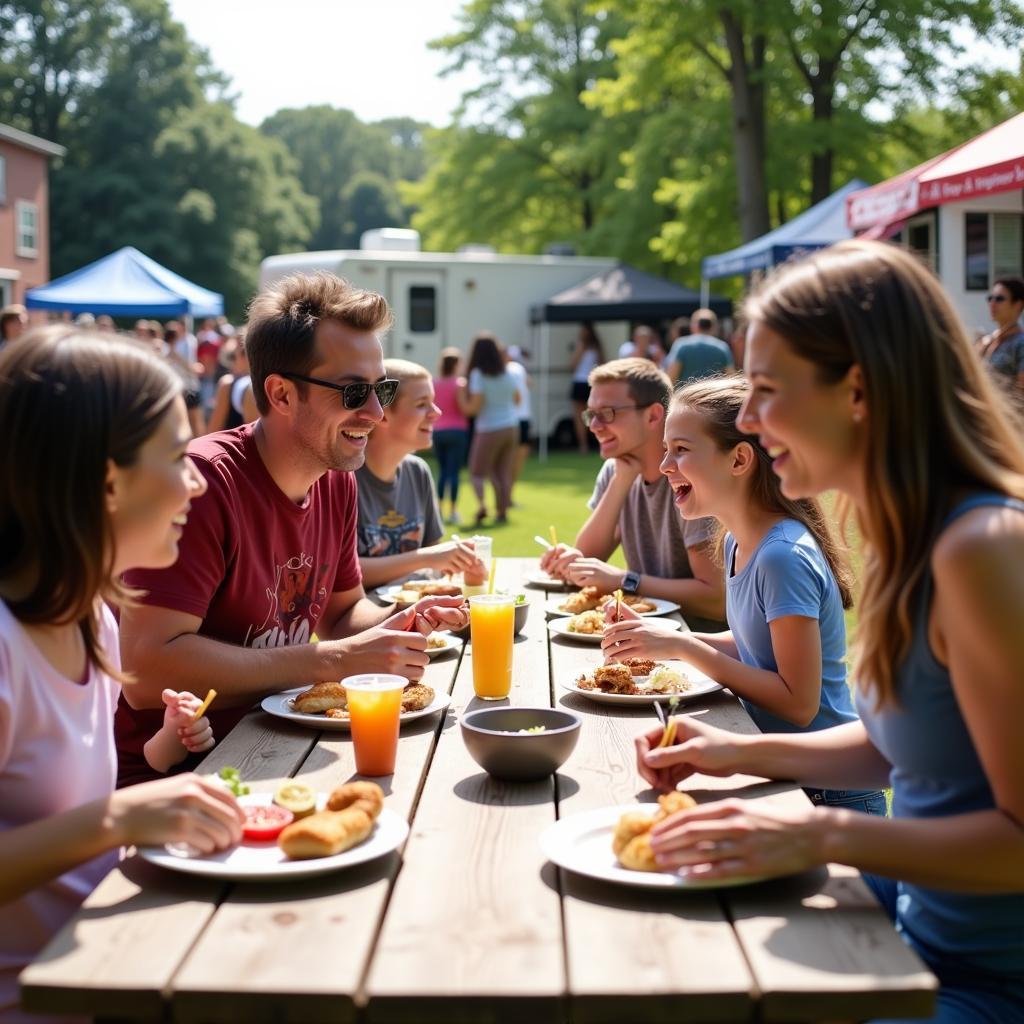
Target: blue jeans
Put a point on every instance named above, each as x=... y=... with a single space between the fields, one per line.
x=450 y=447
x=966 y=996
x=866 y=801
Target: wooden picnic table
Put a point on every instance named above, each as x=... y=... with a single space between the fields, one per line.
x=469 y=922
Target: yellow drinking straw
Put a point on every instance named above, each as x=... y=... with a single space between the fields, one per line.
x=554 y=536
x=490 y=578
x=202 y=707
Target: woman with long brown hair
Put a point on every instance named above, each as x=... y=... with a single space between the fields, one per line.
x=864 y=381
x=94 y=480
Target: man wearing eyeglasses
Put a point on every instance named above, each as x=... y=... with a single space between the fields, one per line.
x=666 y=556
x=268 y=554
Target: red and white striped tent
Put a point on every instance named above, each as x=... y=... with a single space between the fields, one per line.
x=990 y=163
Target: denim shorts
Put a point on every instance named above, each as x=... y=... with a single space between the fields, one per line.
x=867 y=801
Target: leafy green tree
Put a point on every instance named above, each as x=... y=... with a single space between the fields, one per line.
x=528 y=162
x=370 y=201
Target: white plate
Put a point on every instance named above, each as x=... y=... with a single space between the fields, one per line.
x=279 y=704
x=451 y=643
x=560 y=628
x=539 y=578
x=702 y=685
x=661 y=606
x=583 y=843
x=266 y=862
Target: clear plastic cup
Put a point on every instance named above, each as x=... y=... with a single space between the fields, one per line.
x=474 y=583
x=374 y=704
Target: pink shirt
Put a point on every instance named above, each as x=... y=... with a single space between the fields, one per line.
x=56 y=753
x=444 y=399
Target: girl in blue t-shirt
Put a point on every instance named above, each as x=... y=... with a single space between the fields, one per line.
x=786 y=582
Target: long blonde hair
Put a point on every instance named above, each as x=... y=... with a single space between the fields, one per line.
x=939 y=425
x=718 y=400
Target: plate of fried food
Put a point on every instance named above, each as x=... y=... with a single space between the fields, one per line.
x=641 y=681
x=325 y=705
x=324 y=832
x=594 y=599
x=587 y=626
x=409 y=592
x=441 y=643
x=613 y=844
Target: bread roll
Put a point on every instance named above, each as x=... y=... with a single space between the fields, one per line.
x=365 y=796
x=631 y=838
x=325 y=834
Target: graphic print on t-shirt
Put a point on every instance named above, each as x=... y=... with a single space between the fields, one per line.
x=294 y=605
x=392 y=534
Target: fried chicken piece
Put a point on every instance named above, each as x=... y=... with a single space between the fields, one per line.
x=319 y=698
x=416 y=696
x=588 y=623
x=641 y=605
x=614 y=678
x=325 y=834
x=437 y=640
x=363 y=795
x=587 y=683
x=631 y=837
x=640 y=666
x=576 y=603
x=339 y=713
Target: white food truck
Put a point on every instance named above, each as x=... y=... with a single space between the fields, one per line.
x=441 y=299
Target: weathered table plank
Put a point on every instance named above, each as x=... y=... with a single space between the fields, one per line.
x=473 y=931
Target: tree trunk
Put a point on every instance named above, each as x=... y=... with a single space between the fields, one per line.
x=748 y=127
x=823 y=101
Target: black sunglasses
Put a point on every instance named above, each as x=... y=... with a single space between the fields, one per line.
x=355 y=395
x=996 y=298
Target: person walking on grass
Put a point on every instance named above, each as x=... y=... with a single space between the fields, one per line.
x=492 y=396
x=847 y=350
x=451 y=431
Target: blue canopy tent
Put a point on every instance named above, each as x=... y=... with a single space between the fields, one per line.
x=126 y=283
x=823 y=224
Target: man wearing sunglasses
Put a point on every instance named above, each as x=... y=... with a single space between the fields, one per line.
x=268 y=555
x=666 y=556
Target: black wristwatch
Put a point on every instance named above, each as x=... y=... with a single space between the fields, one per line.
x=631 y=582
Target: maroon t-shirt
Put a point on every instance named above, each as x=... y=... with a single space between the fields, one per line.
x=254 y=566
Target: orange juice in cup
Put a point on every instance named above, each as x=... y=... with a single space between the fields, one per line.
x=491 y=626
x=374 y=704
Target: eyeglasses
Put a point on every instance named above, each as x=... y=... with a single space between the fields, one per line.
x=996 y=298
x=355 y=395
x=605 y=415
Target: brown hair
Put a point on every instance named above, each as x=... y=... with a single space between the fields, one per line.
x=485 y=355
x=449 y=362
x=648 y=385
x=281 y=328
x=70 y=400
x=718 y=401
x=939 y=425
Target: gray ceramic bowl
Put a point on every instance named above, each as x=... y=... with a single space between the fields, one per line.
x=494 y=741
x=522 y=612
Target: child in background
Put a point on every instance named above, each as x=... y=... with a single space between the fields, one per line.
x=399 y=520
x=786 y=584
x=94 y=481
x=451 y=431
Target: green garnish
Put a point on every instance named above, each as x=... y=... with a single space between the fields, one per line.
x=232 y=778
x=520 y=599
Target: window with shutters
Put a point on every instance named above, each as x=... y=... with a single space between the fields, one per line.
x=993 y=248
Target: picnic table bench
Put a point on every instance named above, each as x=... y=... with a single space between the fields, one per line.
x=469 y=922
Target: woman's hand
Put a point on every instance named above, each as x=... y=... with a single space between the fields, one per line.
x=697 y=748
x=736 y=837
x=592 y=572
x=634 y=636
x=179 y=809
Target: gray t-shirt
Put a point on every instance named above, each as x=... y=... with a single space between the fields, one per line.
x=398 y=516
x=699 y=355
x=655 y=536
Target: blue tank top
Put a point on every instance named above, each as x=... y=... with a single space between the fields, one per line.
x=936 y=773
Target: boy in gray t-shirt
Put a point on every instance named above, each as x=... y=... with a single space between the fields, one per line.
x=399 y=520
x=633 y=505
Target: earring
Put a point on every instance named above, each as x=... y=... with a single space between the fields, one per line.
x=857 y=417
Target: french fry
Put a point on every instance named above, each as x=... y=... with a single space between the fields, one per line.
x=202 y=707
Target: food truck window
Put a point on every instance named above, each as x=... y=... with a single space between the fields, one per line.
x=976 y=264
x=422 y=309
x=1007 y=244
